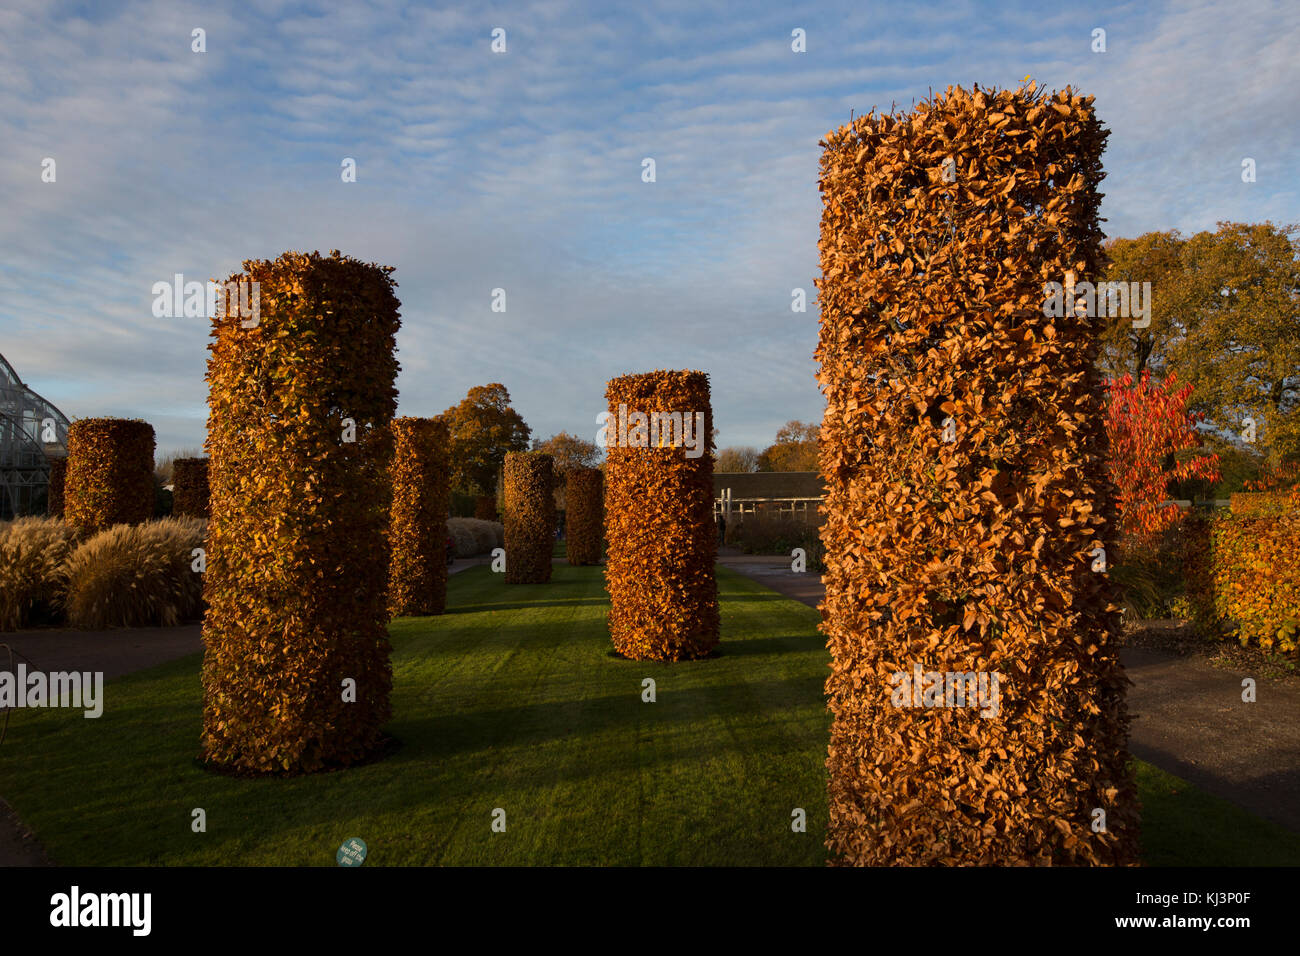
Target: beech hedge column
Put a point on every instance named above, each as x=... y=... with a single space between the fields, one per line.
x=659 y=530
x=975 y=684
x=296 y=674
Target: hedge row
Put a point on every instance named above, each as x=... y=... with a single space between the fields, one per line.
x=109 y=476
x=190 y=487
x=659 y=528
x=530 y=516
x=584 y=495
x=418 y=532
x=964 y=453
x=296 y=674
x=1264 y=503
x=1243 y=577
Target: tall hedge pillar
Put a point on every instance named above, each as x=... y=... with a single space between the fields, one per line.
x=109 y=477
x=296 y=674
x=976 y=690
x=530 y=516
x=418 y=533
x=584 y=515
x=660 y=538
x=190 y=487
x=54 y=495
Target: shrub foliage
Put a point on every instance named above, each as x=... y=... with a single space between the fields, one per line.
x=54 y=493
x=109 y=473
x=296 y=674
x=584 y=494
x=190 y=487
x=136 y=576
x=33 y=579
x=418 y=533
x=475 y=538
x=964 y=449
x=530 y=516
x=1243 y=574
x=1256 y=504
x=659 y=527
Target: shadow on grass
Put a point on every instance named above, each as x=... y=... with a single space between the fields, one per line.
x=523 y=605
x=443 y=735
x=759 y=646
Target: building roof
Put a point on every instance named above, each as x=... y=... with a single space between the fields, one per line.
x=769 y=484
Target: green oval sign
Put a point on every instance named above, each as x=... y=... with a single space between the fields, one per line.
x=352 y=852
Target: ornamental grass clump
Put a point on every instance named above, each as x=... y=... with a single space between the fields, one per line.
x=137 y=576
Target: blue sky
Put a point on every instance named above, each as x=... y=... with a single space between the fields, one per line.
x=522 y=171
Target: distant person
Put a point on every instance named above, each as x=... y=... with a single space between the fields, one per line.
x=722 y=528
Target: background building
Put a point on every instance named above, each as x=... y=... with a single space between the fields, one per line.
x=32 y=431
x=792 y=493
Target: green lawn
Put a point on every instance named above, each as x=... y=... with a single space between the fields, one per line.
x=512 y=700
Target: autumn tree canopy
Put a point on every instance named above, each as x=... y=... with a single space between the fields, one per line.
x=1155 y=257
x=1148 y=423
x=795 y=448
x=483 y=429
x=569 y=452
x=1226 y=318
x=738 y=458
x=1241 y=354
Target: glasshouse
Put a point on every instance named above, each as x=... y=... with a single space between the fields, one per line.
x=32 y=431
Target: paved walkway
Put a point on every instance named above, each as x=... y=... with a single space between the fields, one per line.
x=1188 y=716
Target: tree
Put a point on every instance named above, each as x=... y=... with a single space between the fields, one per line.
x=795 y=448
x=1148 y=424
x=568 y=452
x=483 y=429
x=1241 y=353
x=1157 y=258
x=737 y=458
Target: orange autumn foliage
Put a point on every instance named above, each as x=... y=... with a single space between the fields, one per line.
x=530 y=516
x=584 y=515
x=417 y=582
x=296 y=672
x=661 y=540
x=109 y=476
x=964 y=451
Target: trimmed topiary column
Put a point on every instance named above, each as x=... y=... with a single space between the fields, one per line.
x=190 y=487
x=485 y=508
x=660 y=538
x=530 y=516
x=109 y=476
x=296 y=674
x=418 y=533
x=54 y=493
x=584 y=498
x=975 y=684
